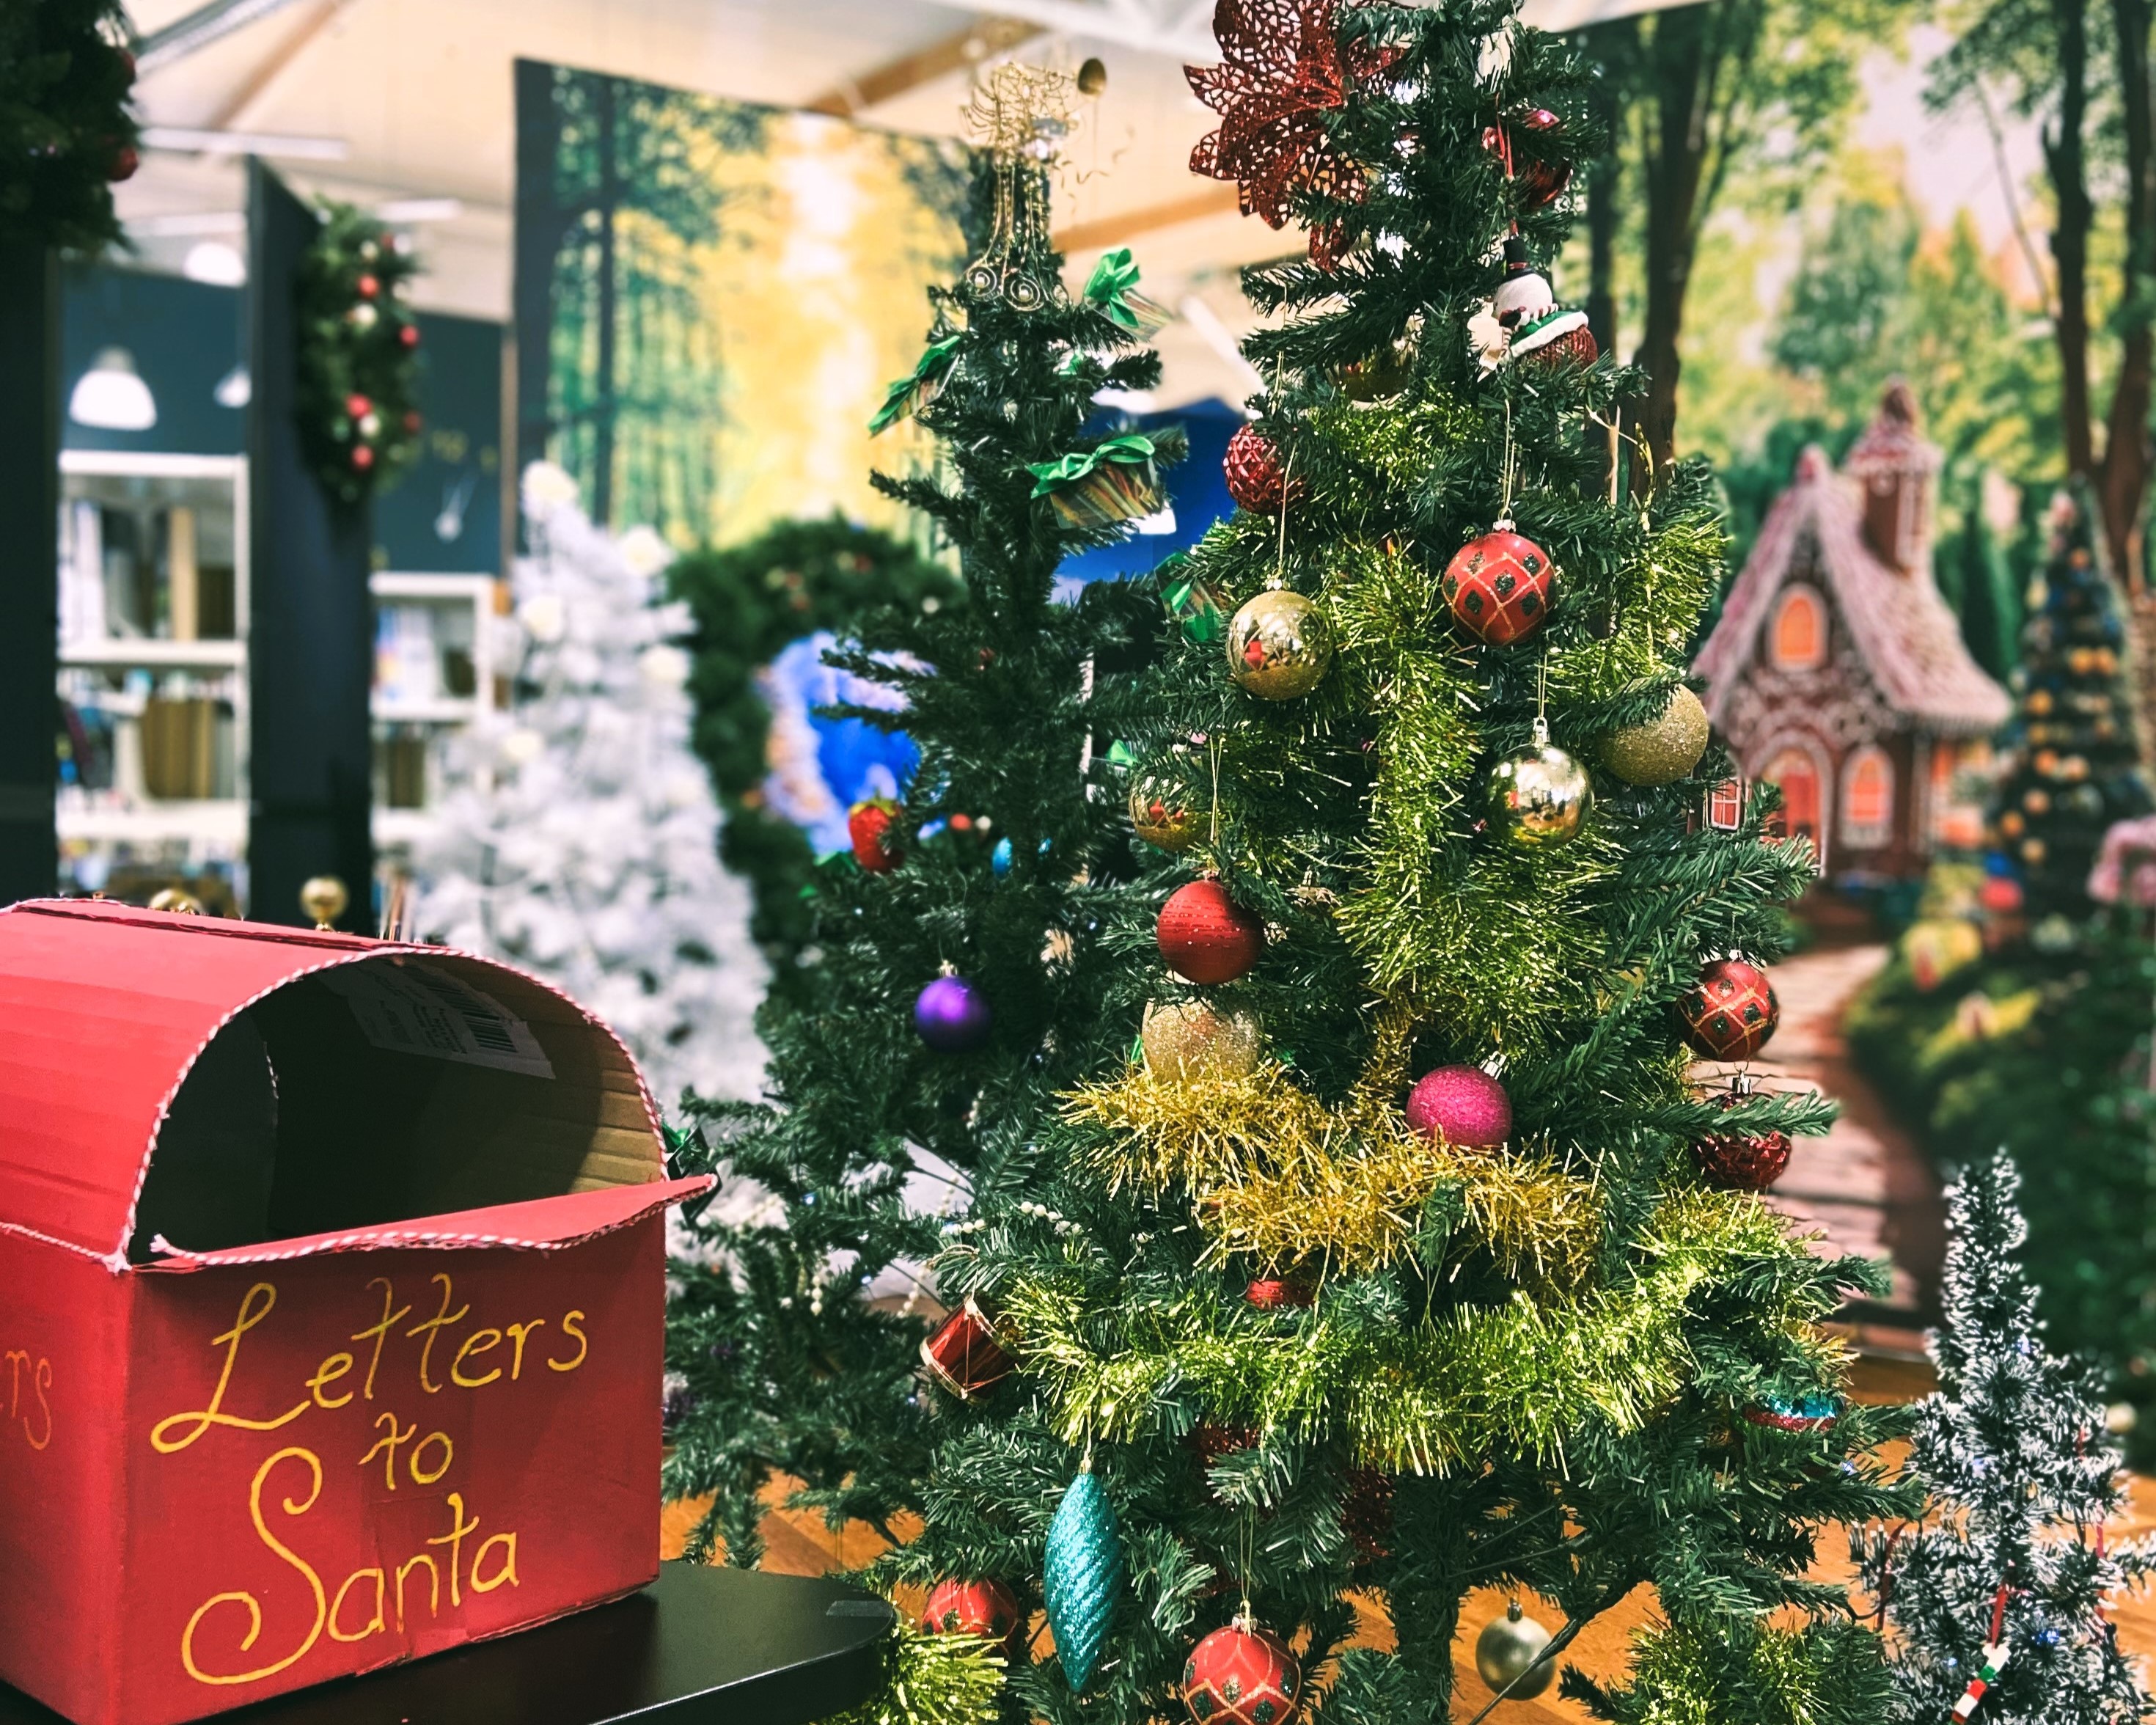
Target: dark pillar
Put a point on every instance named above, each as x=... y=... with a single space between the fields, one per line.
x=311 y=642
x=29 y=578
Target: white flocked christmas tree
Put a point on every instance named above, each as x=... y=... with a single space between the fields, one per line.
x=578 y=838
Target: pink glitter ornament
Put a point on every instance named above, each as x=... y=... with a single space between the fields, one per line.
x=1464 y=1106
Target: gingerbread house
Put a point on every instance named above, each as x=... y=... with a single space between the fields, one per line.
x=1838 y=671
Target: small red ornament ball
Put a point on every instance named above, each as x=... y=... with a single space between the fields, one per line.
x=1498 y=587
x=1464 y=1106
x=1242 y=1675
x=1206 y=936
x=1539 y=173
x=410 y=334
x=124 y=161
x=363 y=458
x=876 y=846
x=367 y=287
x=1741 y=1162
x=1729 y=1014
x=413 y=422
x=358 y=406
x=1277 y=1293
x=1255 y=477
x=987 y=1609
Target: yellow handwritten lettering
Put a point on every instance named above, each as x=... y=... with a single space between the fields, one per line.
x=41 y=1380
x=476 y=1343
x=434 y=1584
x=15 y=1359
x=507 y=1572
x=327 y=1373
x=454 y=1539
x=292 y=1507
x=377 y=1623
x=569 y=1327
x=517 y=1333
x=198 y=1421
x=431 y=1327
x=419 y=1472
x=386 y=1446
x=380 y=1330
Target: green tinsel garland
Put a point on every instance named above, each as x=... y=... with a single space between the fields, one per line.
x=932 y=1680
x=66 y=133
x=358 y=341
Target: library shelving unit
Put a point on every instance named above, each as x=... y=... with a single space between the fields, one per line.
x=434 y=674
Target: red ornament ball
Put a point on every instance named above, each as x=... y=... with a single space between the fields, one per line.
x=362 y=457
x=986 y=1609
x=124 y=161
x=1276 y=1293
x=410 y=334
x=1206 y=936
x=367 y=287
x=1741 y=1160
x=358 y=406
x=1464 y=1106
x=1539 y=174
x=1729 y=1014
x=869 y=825
x=413 y=422
x=1255 y=477
x=1499 y=586
x=1242 y=1675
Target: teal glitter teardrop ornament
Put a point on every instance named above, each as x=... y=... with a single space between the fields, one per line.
x=1081 y=1575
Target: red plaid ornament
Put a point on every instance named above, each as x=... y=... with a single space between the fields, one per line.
x=1729 y=1014
x=1242 y=1675
x=1499 y=586
x=1282 y=69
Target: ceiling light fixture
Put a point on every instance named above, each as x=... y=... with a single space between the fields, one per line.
x=198 y=29
x=195 y=141
x=420 y=209
x=111 y=396
x=235 y=388
x=213 y=261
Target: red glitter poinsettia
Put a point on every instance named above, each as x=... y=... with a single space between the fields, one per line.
x=1281 y=69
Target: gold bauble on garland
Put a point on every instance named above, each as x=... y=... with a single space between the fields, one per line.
x=1280 y=645
x=1662 y=751
x=1189 y=1040
x=1540 y=797
x=1162 y=813
x=1505 y=1653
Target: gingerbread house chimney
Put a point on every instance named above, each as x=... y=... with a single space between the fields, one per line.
x=1897 y=472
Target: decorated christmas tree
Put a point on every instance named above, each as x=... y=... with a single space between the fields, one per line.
x=960 y=973
x=1408 y=1254
x=1997 y=1599
x=66 y=135
x=579 y=838
x=2076 y=762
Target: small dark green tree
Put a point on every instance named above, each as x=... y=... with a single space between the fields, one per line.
x=959 y=980
x=2007 y=1579
x=2076 y=764
x=65 y=132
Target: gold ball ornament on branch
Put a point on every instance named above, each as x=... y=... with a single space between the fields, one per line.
x=1280 y=645
x=1189 y=1040
x=1541 y=797
x=324 y=898
x=1162 y=813
x=1663 y=750
x=1508 y=1655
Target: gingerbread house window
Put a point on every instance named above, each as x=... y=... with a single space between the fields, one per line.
x=1800 y=637
x=1867 y=798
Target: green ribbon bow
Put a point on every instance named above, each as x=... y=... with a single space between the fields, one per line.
x=1195 y=605
x=1130 y=448
x=1112 y=278
x=903 y=396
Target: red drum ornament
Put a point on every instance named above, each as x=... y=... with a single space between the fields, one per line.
x=1741 y=1160
x=986 y=1609
x=1729 y=1014
x=1499 y=586
x=962 y=1354
x=1242 y=1675
x=1206 y=936
x=1255 y=477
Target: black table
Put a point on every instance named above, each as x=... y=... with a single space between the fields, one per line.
x=699 y=1646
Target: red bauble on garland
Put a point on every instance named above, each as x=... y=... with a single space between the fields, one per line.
x=124 y=161
x=1206 y=936
x=1242 y=1675
x=1729 y=1014
x=982 y=1608
x=1463 y=1106
x=1255 y=477
x=1539 y=174
x=1499 y=586
x=1741 y=1160
x=870 y=824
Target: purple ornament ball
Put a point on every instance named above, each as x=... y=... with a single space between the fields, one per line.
x=952 y=1015
x=1462 y=1104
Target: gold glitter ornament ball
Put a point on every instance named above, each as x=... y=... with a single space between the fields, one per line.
x=1506 y=1652
x=1540 y=797
x=1162 y=813
x=1189 y=1040
x=1280 y=645
x=1662 y=751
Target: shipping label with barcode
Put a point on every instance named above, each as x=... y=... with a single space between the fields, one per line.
x=418 y=1008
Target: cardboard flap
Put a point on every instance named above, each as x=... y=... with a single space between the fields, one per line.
x=539 y=1224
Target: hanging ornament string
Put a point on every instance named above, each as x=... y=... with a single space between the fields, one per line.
x=1213 y=753
x=1510 y=469
x=1287 y=486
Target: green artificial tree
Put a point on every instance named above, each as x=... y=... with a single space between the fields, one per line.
x=959 y=979
x=1401 y=1257
x=1998 y=1599
x=2074 y=766
x=66 y=136
x=750 y=600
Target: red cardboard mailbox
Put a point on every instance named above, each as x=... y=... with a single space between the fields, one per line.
x=332 y=1292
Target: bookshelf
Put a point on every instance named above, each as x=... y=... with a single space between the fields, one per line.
x=434 y=673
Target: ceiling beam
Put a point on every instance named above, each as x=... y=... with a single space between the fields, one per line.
x=1114 y=230
x=992 y=35
x=247 y=100
x=195 y=31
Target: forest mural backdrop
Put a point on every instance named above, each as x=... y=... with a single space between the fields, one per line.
x=710 y=296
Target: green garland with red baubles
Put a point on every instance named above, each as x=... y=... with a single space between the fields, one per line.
x=66 y=133
x=358 y=347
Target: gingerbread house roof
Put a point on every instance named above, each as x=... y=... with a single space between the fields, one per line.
x=1909 y=640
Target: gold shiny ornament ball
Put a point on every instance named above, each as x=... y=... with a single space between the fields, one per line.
x=1190 y=1039
x=324 y=897
x=1662 y=751
x=1092 y=78
x=1540 y=797
x=1506 y=1648
x=1162 y=815
x=179 y=902
x=1280 y=645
